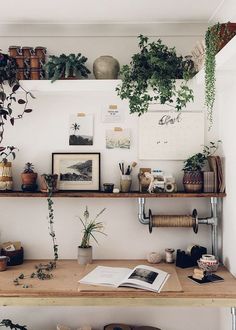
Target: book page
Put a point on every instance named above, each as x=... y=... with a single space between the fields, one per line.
x=101 y=275
x=145 y=277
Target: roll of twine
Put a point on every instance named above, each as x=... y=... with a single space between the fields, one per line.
x=173 y=221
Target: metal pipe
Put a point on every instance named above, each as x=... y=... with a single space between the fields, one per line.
x=233 y=314
x=143 y=219
x=214 y=227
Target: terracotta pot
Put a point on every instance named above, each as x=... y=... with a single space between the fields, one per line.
x=27 y=51
x=35 y=74
x=34 y=62
x=106 y=67
x=43 y=184
x=85 y=255
x=20 y=61
x=193 y=181
x=6 y=182
x=40 y=52
x=3 y=263
x=14 y=51
x=29 y=178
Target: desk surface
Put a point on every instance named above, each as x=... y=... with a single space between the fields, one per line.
x=62 y=290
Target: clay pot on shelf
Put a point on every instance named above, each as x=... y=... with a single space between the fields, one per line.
x=106 y=67
x=41 y=53
x=29 y=182
x=35 y=74
x=193 y=181
x=14 y=51
x=34 y=62
x=44 y=186
x=85 y=255
x=6 y=182
x=27 y=51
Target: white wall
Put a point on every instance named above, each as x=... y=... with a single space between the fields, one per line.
x=46 y=131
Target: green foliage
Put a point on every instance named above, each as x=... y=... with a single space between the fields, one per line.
x=215 y=36
x=7 y=100
x=65 y=66
x=49 y=180
x=8 y=324
x=90 y=227
x=197 y=161
x=155 y=69
x=6 y=152
x=29 y=168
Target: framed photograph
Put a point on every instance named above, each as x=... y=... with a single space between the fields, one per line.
x=77 y=171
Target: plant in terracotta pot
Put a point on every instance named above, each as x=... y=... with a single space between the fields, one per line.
x=66 y=67
x=29 y=178
x=216 y=37
x=193 y=175
x=151 y=76
x=90 y=229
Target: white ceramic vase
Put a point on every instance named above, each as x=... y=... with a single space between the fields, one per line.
x=106 y=67
x=85 y=255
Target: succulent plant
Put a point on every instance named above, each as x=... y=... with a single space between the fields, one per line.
x=29 y=168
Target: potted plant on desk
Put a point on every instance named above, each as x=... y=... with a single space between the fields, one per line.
x=193 y=175
x=90 y=228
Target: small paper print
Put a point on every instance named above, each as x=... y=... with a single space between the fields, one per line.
x=81 y=130
x=118 y=139
x=112 y=114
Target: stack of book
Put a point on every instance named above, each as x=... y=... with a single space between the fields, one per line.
x=214 y=181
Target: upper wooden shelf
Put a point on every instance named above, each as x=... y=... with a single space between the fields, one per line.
x=79 y=194
x=62 y=290
x=77 y=85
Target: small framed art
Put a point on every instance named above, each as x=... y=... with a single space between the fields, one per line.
x=77 y=171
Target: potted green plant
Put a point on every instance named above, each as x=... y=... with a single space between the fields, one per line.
x=216 y=37
x=90 y=228
x=151 y=76
x=193 y=175
x=29 y=178
x=66 y=67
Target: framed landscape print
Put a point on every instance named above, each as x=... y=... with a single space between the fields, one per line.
x=77 y=171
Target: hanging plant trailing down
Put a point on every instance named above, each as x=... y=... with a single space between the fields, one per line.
x=155 y=70
x=66 y=66
x=8 y=69
x=215 y=38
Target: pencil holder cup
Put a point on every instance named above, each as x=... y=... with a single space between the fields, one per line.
x=125 y=183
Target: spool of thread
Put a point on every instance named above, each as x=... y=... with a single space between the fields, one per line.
x=169 y=255
x=154 y=257
x=172 y=221
x=169 y=187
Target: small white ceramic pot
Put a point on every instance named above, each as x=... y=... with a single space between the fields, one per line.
x=85 y=255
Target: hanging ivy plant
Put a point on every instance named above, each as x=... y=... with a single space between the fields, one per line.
x=215 y=38
x=151 y=76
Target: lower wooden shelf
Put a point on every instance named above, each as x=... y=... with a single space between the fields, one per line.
x=62 y=290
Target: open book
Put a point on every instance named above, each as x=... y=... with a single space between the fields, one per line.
x=141 y=277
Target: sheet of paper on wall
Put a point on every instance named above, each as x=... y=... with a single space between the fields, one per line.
x=112 y=113
x=118 y=138
x=170 y=135
x=81 y=129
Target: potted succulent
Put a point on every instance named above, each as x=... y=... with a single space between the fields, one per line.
x=90 y=228
x=193 y=175
x=216 y=37
x=29 y=178
x=151 y=76
x=66 y=67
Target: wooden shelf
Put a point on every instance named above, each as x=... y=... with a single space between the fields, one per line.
x=62 y=290
x=81 y=85
x=78 y=194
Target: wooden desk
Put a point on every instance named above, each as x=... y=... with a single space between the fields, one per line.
x=62 y=290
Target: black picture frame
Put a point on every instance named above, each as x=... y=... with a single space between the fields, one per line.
x=82 y=175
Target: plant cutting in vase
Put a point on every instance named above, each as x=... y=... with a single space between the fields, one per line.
x=29 y=178
x=193 y=176
x=151 y=76
x=90 y=228
x=216 y=37
x=66 y=66
x=43 y=271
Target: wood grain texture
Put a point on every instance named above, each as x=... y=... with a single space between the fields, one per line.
x=63 y=289
x=79 y=194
